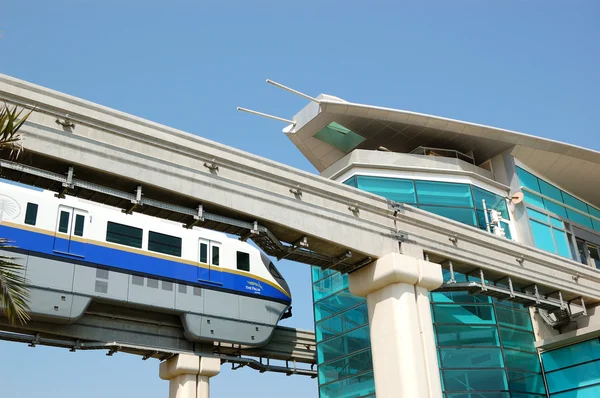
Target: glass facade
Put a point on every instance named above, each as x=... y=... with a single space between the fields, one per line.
x=573 y=371
x=485 y=347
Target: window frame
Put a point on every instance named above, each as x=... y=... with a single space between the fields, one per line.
x=237 y=263
x=141 y=239
x=152 y=248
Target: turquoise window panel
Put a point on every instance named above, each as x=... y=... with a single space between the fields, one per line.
x=343 y=322
x=480 y=395
x=574 y=202
x=555 y=222
x=444 y=193
x=574 y=377
x=471 y=358
x=596 y=225
x=555 y=208
x=562 y=243
x=458 y=297
x=526 y=382
x=467 y=335
x=335 y=304
x=517 y=339
x=571 y=355
x=506 y=228
x=357 y=386
x=395 y=189
x=343 y=345
x=351 y=181
x=509 y=304
x=465 y=216
x=473 y=380
x=458 y=277
x=330 y=285
x=550 y=190
x=520 y=360
x=537 y=215
x=317 y=273
x=542 y=236
x=492 y=201
x=593 y=211
x=468 y=314
x=533 y=199
x=585 y=392
x=525 y=395
x=345 y=367
x=579 y=218
x=339 y=137
x=528 y=180
x=513 y=318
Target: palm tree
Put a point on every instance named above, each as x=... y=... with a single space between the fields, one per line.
x=13 y=285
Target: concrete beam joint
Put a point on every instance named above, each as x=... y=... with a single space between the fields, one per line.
x=389 y=269
x=185 y=364
x=430 y=275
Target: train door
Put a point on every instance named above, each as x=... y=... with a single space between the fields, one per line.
x=209 y=253
x=70 y=230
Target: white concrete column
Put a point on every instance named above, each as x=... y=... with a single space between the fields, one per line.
x=402 y=341
x=189 y=375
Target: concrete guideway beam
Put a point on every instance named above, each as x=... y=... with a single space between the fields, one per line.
x=189 y=375
x=402 y=339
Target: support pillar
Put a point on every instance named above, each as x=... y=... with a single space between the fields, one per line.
x=402 y=339
x=189 y=375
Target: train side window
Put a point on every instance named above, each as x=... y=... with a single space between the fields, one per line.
x=204 y=253
x=166 y=244
x=31 y=213
x=124 y=234
x=215 y=255
x=243 y=261
x=63 y=223
x=79 y=222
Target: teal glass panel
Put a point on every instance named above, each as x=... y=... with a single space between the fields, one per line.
x=330 y=285
x=345 y=367
x=517 y=339
x=471 y=358
x=343 y=322
x=394 y=189
x=520 y=360
x=343 y=345
x=550 y=190
x=555 y=222
x=458 y=277
x=555 y=208
x=593 y=211
x=542 y=236
x=537 y=215
x=571 y=355
x=596 y=225
x=525 y=395
x=574 y=377
x=318 y=273
x=351 y=181
x=335 y=304
x=562 y=244
x=473 y=380
x=467 y=335
x=480 y=395
x=533 y=199
x=492 y=201
x=585 y=392
x=470 y=314
x=574 y=202
x=465 y=216
x=513 y=318
x=339 y=137
x=506 y=228
x=353 y=387
x=579 y=218
x=528 y=180
x=444 y=193
x=526 y=382
x=508 y=304
x=458 y=297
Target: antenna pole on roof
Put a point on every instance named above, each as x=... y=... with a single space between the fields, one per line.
x=291 y=90
x=266 y=115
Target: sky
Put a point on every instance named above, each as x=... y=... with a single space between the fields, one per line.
x=528 y=66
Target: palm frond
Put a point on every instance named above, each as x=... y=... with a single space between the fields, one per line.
x=10 y=123
x=14 y=295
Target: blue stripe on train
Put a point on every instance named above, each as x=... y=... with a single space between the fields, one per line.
x=139 y=263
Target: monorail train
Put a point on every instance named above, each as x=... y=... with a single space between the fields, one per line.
x=77 y=251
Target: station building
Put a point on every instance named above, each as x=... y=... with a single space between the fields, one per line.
x=535 y=191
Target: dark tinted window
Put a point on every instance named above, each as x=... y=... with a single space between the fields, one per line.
x=79 y=221
x=274 y=271
x=124 y=234
x=31 y=213
x=63 y=223
x=243 y=261
x=166 y=244
x=204 y=253
x=215 y=255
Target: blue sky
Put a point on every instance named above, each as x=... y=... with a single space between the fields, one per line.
x=529 y=66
